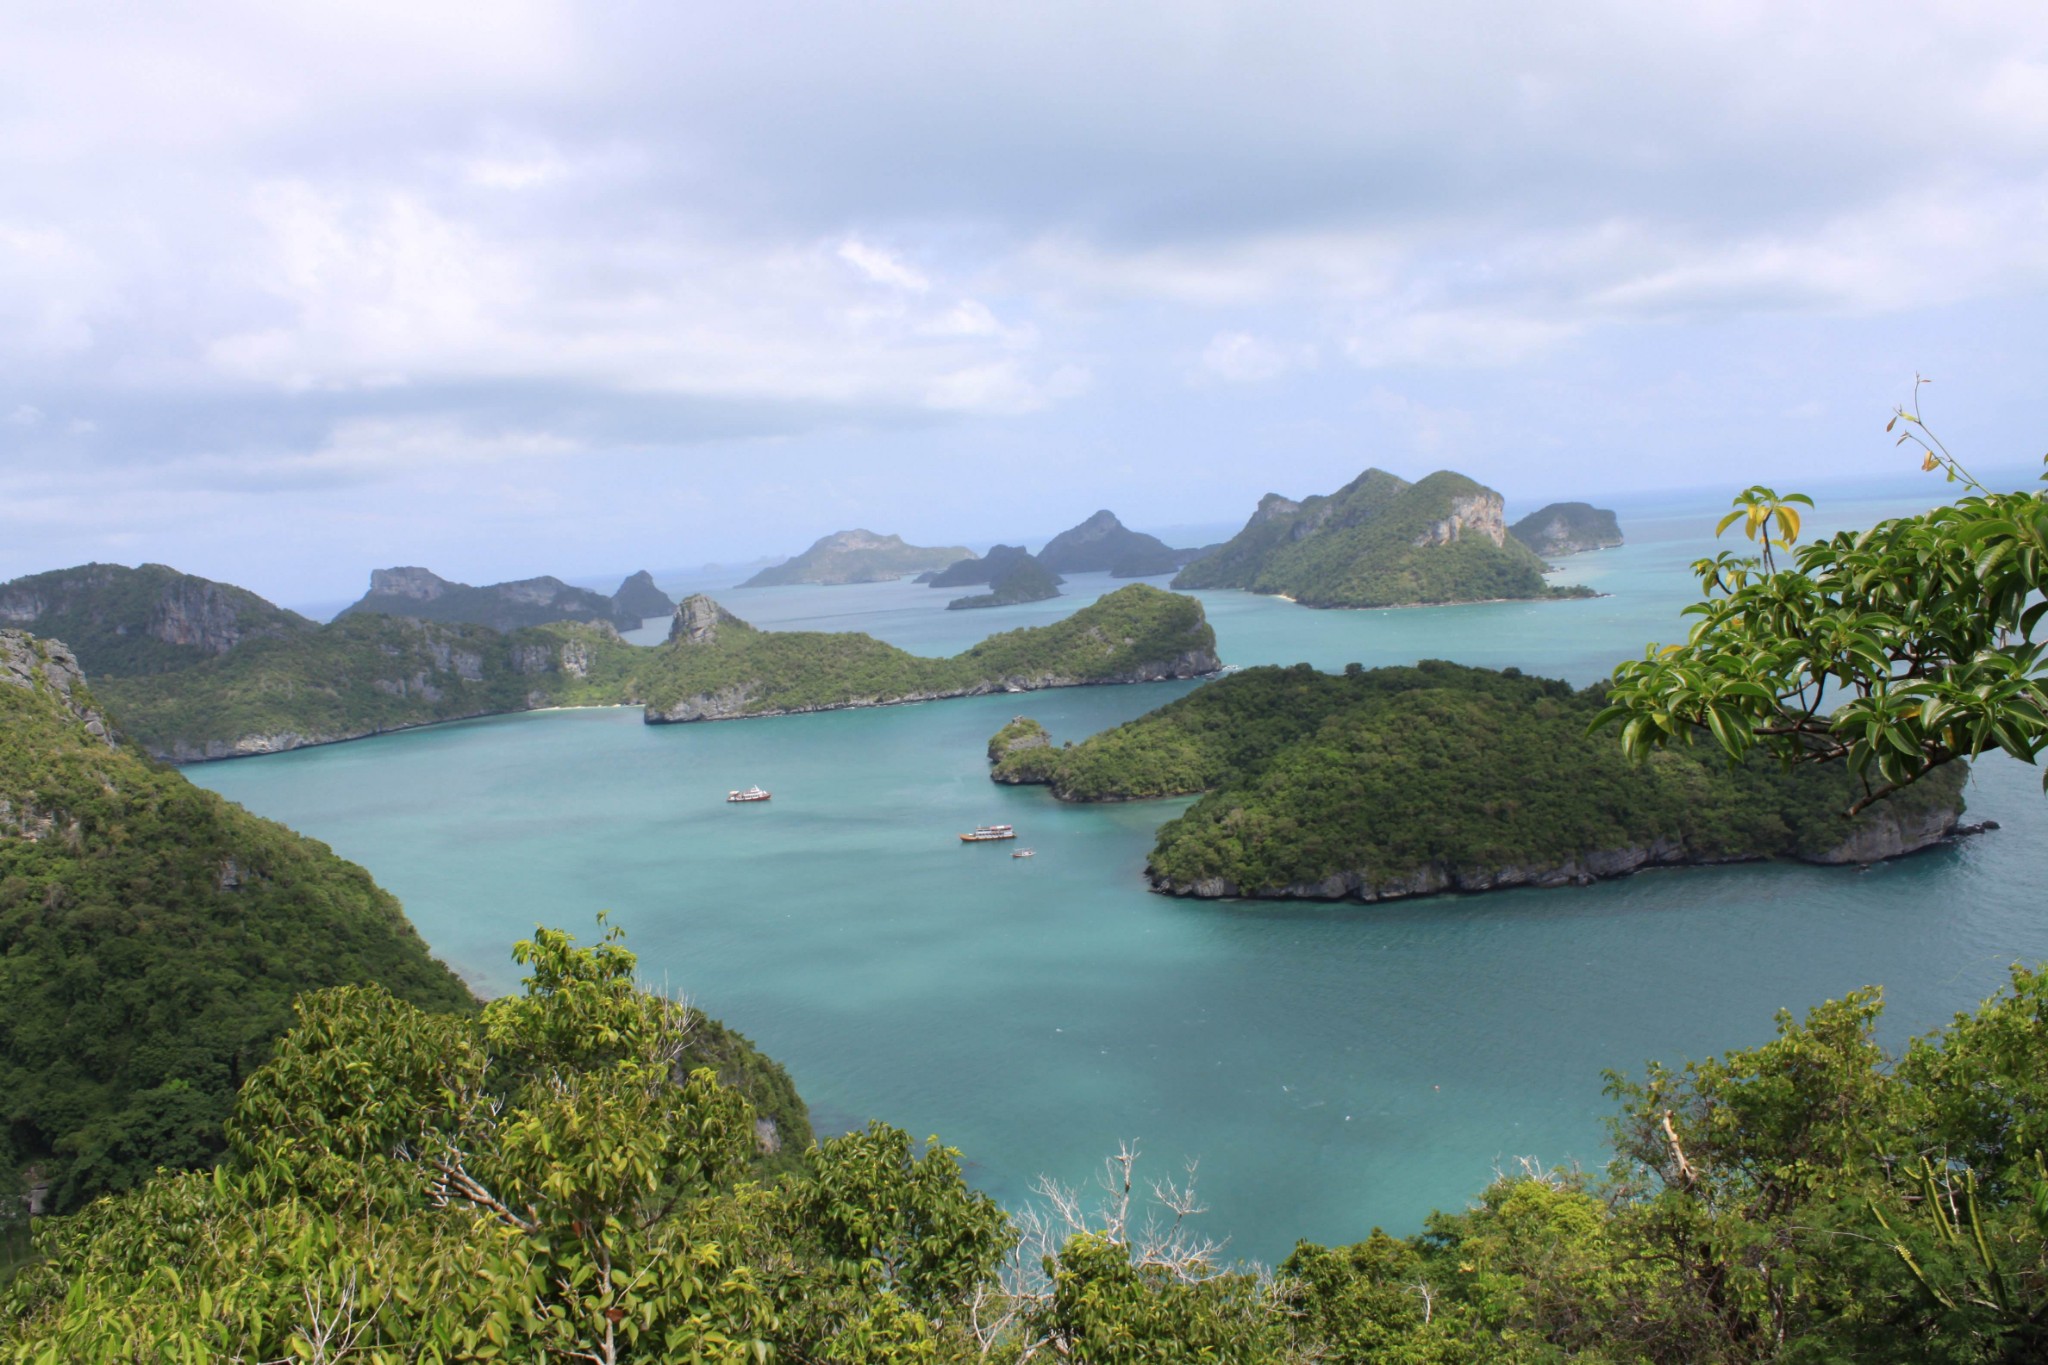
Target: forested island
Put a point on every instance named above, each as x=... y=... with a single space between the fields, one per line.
x=1103 y=544
x=718 y=667
x=1568 y=528
x=859 y=556
x=366 y=674
x=1379 y=541
x=1392 y=782
x=426 y=596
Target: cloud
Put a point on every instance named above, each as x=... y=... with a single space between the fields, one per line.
x=879 y=266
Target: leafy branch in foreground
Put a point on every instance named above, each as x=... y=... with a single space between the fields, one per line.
x=1893 y=650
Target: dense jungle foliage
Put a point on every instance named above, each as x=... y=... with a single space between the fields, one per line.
x=1136 y=630
x=548 y=1180
x=1370 y=544
x=152 y=937
x=1437 y=771
x=124 y=622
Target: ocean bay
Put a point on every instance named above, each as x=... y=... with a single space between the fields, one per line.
x=1331 y=1067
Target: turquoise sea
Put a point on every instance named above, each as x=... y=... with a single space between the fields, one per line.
x=1330 y=1068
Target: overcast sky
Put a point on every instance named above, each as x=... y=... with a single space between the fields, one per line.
x=291 y=291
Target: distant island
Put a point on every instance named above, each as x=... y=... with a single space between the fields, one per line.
x=717 y=667
x=1102 y=544
x=123 y=622
x=1568 y=528
x=1379 y=541
x=367 y=674
x=426 y=596
x=1013 y=574
x=858 y=556
x=1386 y=783
x=638 y=599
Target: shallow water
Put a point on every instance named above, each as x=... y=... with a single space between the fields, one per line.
x=1331 y=1068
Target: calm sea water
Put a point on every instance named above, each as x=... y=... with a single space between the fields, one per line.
x=1330 y=1068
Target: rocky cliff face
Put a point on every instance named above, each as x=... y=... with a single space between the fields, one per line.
x=409 y=583
x=697 y=620
x=1475 y=514
x=48 y=667
x=125 y=621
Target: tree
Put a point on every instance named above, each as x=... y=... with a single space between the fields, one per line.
x=1892 y=651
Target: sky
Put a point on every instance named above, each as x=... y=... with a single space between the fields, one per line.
x=289 y=291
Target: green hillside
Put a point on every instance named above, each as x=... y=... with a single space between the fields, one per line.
x=365 y=674
x=152 y=936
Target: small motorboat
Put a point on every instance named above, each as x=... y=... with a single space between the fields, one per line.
x=1025 y=853
x=750 y=794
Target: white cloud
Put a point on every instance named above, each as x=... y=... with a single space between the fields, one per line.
x=881 y=267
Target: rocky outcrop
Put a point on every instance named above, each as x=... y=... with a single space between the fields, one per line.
x=697 y=620
x=48 y=667
x=637 y=597
x=409 y=583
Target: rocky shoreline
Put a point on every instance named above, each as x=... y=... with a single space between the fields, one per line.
x=1885 y=839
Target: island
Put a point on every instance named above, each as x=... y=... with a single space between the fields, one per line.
x=1379 y=784
x=426 y=596
x=368 y=674
x=1102 y=544
x=1568 y=528
x=968 y=572
x=639 y=600
x=1380 y=541
x=1013 y=578
x=858 y=556
x=124 y=622
x=717 y=667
